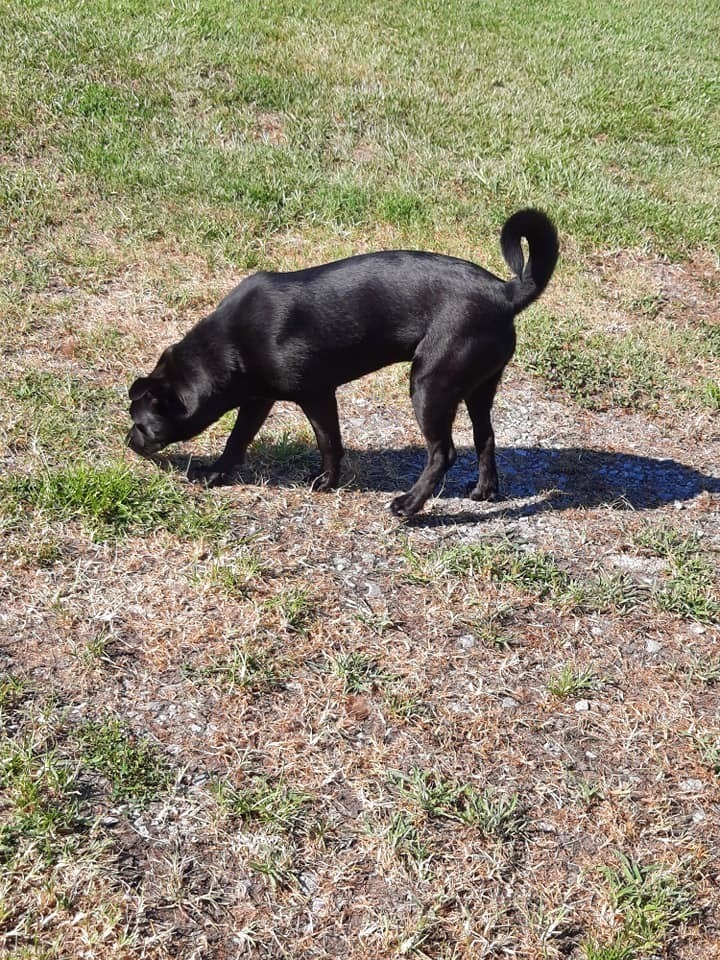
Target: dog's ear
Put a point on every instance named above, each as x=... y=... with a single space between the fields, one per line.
x=160 y=394
x=168 y=400
x=139 y=388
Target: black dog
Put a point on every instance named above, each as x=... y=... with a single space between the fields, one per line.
x=298 y=336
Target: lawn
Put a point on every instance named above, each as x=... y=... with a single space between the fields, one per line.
x=260 y=721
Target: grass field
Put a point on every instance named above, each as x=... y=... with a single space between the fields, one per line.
x=263 y=722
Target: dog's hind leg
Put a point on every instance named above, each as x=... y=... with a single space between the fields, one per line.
x=321 y=410
x=435 y=410
x=479 y=404
x=252 y=414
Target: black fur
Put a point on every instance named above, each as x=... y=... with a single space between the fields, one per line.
x=298 y=336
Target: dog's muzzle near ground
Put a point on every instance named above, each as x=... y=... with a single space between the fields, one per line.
x=138 y=443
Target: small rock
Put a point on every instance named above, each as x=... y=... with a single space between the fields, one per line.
x=373 y=590
x=582 y=706
x=652 y=646
x=691 y=786
x=308 y=883
x=318 y=905
x=141 y=829
x=466 y=641
x=508 y=703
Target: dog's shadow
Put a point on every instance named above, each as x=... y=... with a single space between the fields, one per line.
x=536 y=480
x=549 y=478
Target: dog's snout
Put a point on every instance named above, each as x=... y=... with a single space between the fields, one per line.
x=139 y=442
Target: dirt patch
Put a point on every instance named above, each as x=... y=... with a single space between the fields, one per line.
x=635 y=290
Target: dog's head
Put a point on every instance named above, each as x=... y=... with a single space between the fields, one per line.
x=159 y=412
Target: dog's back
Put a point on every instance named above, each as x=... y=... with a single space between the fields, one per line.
x=388 y=300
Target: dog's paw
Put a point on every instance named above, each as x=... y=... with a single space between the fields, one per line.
x=321 y=482
x=484 y=491
x=208 y=476
x=404 y=506
x=218 y=479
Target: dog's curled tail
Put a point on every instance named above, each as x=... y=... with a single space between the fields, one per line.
x=532 y=277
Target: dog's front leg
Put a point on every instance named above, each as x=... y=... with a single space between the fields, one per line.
x=321 y=410
x=251 y=416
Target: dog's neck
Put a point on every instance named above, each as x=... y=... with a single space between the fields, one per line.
x=204 y=374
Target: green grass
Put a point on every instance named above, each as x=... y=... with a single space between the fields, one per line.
x=690 y=588
x=706 y=670
x=571 y=681
x=708 y=745
x=358 y=672
x=651 y=902
x=278 y=868
x=631 y=371
x=39 y=551
x=98 y=649
x=378 y=621
x=41 y=790
x=273 y=804
x=242 y=669
x=584 y=792
x=234 y=575
x=407 y=707
x=404 y=839
x=60 y=415
x=132 y=765
x=493 y=813
x=55 y=862
x=711 y=394
x=534 y=571
x=284 y=449
x=296 y=608
x=12 y=689
x=222 y=129
x=595 y=369
x=112 y=501
x=687 y=590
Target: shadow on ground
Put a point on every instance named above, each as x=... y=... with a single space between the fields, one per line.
x=563 y=478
